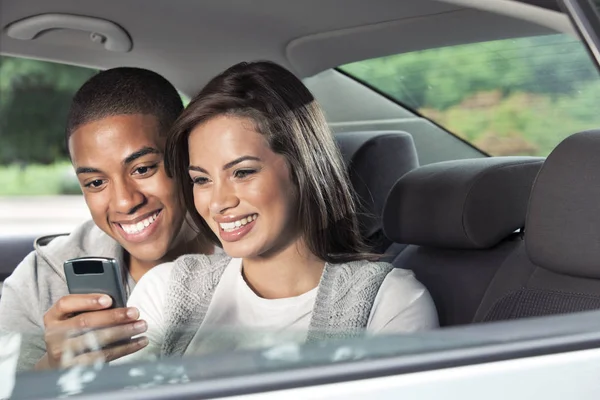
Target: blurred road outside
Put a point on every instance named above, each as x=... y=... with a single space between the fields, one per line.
x=41 y=215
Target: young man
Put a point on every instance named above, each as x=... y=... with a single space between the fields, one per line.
x=115 y=133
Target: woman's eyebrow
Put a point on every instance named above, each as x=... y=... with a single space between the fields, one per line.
x=196 y=168
x=239 y=160
x=226 y=166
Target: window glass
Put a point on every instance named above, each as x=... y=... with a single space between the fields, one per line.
x=506 y=97
x=39 y=192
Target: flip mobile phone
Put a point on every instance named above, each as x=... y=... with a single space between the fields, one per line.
x=87 y=275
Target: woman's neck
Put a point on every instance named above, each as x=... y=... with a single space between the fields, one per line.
x=288 y=273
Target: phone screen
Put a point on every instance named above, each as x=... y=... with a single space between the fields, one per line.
x=88 y=267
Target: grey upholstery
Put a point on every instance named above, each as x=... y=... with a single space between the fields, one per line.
x=375 y=161
x=522 y=289
x=456 y=279
x=13 y=250
x=463 y=204
x=557 y=270
x=564 y=217
x=436 y=209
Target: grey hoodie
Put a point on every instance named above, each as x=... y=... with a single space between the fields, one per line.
x=39 y=281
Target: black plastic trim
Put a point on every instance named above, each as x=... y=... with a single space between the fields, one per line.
x=547 y=4
x=586 y=21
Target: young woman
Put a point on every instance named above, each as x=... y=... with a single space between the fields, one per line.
x=263 y=177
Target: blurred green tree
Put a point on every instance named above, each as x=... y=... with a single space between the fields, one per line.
x=34 y=102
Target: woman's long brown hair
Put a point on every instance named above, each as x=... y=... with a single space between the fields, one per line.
x=284 y=110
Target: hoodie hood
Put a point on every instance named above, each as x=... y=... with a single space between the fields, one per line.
x=86 y=240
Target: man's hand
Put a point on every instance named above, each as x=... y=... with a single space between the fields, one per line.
x=80 y=329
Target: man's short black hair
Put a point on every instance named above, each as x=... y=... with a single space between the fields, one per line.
x=125 y=91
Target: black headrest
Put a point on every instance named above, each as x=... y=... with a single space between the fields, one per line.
x=563 y=222
x=463 y=204
x=375 y=161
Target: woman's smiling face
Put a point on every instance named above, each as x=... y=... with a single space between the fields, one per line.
x=242 y=189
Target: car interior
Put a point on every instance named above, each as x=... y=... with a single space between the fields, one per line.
x=458 y=245
x=491 y=237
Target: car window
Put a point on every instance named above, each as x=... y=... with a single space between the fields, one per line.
x=288 y=365
x=519 y=113
x=39 y=192
x=506 y=97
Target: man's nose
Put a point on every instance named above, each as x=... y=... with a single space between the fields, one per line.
x=127 y=198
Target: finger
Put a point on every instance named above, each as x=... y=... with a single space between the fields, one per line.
x=58 y=333
x=102 y=338
x=106 y=355
x=97 y=319
x=68 y=305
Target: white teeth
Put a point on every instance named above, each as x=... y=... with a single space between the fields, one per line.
x=231 y=226
x=140 y=226
x=228 y=225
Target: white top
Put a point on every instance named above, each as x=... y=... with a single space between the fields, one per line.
x=401 y=305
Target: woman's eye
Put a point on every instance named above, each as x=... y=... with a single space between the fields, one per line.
x=243 y=173
x=199 y=180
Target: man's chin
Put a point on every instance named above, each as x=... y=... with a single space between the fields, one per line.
x=146 y=253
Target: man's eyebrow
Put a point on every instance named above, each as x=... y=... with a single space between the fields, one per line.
x=140 y=153
x=87 y=170
x=226 y=166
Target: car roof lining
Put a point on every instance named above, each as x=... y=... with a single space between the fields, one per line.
x=190 y=42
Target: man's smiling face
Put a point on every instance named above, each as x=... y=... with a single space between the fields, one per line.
x=119 y=164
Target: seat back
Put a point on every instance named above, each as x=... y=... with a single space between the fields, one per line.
x=557 y=270
x=375 y=161
x=461 y=221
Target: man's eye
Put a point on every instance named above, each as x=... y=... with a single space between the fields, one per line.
x=94 y=184
x=243 y=173
x=144 y=170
